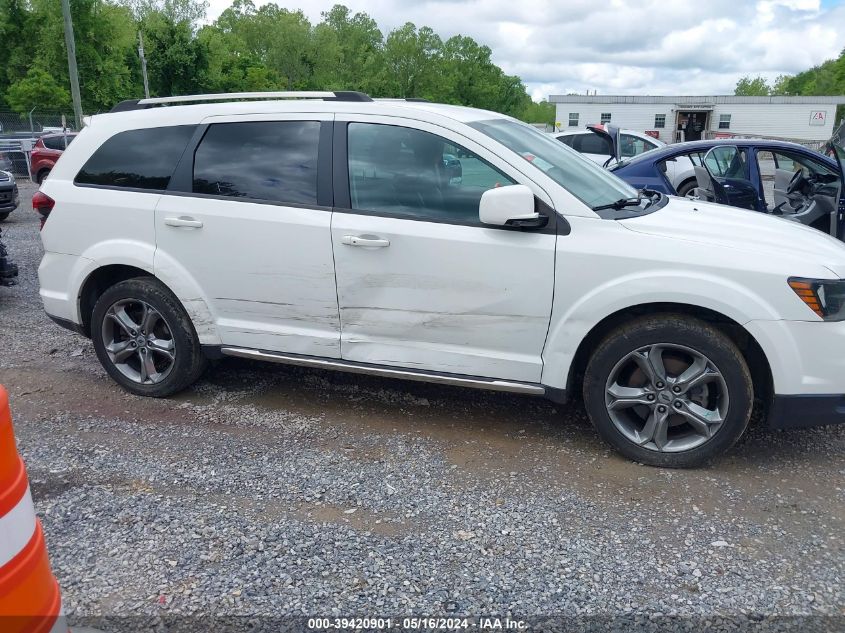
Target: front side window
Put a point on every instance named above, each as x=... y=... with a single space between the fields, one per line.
x=274 y=161
x=659 y=120
x=583 y=178
x=137 y=159
x=573 y=119
x=793 y=161
x=605 y=117
x=724 y=121
x=411 y=173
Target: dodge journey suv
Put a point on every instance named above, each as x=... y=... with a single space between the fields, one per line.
x=326 y=230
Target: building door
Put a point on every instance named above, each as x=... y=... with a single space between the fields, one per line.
x=691 y=126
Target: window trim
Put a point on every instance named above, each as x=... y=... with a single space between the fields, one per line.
x=662 y=124
x=602 y=119
x=724 y=124
x=577 y=119
x=343 y=200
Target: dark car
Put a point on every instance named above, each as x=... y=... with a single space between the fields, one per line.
x=8 y=194
x=776 y=177
x=46 y=152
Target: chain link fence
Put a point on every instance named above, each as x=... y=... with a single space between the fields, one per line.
x=18 y=134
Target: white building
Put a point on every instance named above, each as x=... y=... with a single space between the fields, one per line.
x=799 y=118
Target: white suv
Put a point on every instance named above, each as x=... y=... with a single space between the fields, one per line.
x=328 y=230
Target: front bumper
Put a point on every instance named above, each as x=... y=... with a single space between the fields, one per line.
x=807 y=361
x=9 y=199
x=798 y=412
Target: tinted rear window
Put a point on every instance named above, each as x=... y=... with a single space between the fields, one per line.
x=259 y=160
x=139 y=159
x=592 y=144
x=57 y=142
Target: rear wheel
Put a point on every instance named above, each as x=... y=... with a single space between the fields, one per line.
x=669 y=391
x=42 y=175
x=686 y=188
x=4 y=215
x=144 y=338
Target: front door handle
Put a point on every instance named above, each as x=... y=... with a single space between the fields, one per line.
x=360 y=240
x=183 y=221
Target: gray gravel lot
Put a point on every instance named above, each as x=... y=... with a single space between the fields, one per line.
x=267 y=490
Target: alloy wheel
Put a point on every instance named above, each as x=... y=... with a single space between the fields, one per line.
x=138 y=340
x=667 y=397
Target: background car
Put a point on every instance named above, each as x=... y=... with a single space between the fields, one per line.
x=8 y=194
x=46 y=152
x=595 y=143
x=777 y=177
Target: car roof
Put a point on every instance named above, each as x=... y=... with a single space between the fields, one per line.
x=691 y=146
x=194 y=113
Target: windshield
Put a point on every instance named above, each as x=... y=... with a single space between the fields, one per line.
x=580 y=176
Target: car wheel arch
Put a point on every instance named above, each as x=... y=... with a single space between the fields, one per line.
x=97 y=282
x=751 y=349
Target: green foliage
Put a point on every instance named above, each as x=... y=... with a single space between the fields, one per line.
x=247 y=48
x=37 y=90
x=752 y=87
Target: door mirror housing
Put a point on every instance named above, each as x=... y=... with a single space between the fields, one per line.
x=512 y=205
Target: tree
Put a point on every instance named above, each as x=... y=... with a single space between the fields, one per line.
x=542 y=112
x=411 y=58
x=37 y=90
x=748 y=87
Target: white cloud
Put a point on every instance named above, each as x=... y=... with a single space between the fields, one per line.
x=623 y=46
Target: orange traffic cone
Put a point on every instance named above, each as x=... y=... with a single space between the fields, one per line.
x=30 y=601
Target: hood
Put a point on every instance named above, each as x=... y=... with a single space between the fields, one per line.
x=739 y=229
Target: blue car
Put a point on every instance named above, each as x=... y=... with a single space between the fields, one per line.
x=776 y=177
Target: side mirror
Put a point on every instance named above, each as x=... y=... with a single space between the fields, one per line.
x=510 y=206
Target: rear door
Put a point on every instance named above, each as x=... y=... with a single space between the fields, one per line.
x=421 y=283
x=729 y=168
x=248 y=217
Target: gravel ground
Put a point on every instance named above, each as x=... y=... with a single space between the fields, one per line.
x=274 y=491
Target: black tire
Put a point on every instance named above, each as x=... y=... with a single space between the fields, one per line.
x=674 y=330
x=189 y=361
x=687 y=186
x=42 y=175
x=4 y=215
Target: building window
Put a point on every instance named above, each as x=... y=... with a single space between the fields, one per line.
x=659 y=120
x=605 y=117
x=573 y=119
x=724 y=121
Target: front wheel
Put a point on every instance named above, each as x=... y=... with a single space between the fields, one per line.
x=144 y=338
x=669 y=391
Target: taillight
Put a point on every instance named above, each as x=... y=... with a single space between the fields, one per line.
x=43 y=204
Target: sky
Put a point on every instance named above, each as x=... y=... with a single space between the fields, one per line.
x=655 y=47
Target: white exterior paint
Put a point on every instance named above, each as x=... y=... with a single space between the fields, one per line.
x=458 y=299
x=784 y=117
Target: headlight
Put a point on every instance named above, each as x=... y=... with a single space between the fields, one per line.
x=823 y=296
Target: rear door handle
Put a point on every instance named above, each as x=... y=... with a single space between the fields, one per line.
x=358 y=240
x=183 y=221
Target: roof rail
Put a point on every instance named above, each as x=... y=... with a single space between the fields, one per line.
x=337 y=95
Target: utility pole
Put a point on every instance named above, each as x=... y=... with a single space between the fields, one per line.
x=143 y=64
x=71 y=64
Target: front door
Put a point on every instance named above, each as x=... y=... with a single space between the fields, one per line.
x=250 y=227
x=421 y=283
